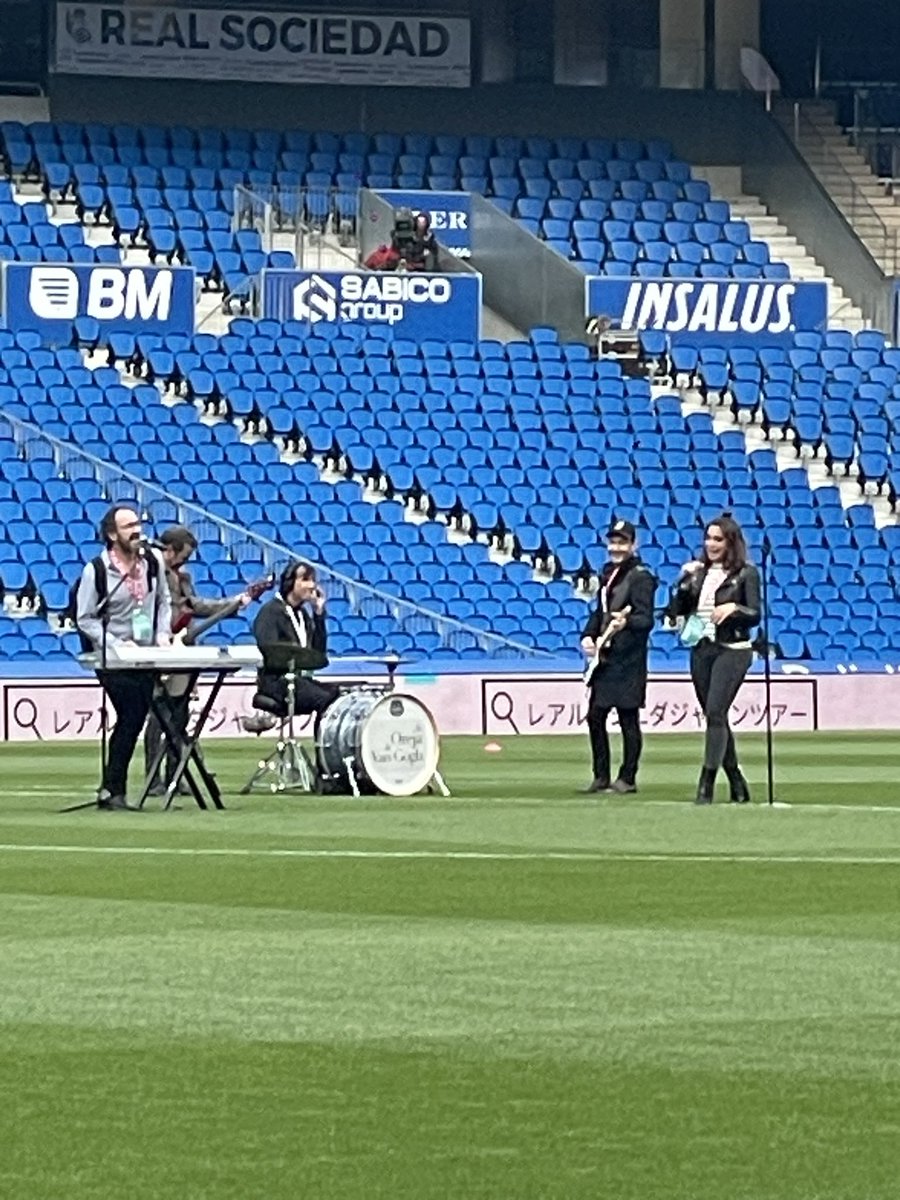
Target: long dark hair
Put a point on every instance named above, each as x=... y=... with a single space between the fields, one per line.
x=735 y=546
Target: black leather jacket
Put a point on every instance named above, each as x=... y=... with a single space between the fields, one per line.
x=741 y=588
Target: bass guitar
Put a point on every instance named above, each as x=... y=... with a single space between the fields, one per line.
x=186 y=631
x=601 y=648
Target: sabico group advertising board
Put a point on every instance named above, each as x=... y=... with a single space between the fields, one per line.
x=179 y=42
x=751 y=311
x=414 y=304
x=450 y=214
x=48 y=297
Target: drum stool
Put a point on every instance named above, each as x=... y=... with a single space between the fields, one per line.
x=288 y=767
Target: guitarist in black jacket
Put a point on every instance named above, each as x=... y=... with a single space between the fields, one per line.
x=622 y=620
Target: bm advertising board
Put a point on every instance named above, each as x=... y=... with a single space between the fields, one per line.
x=415 y=304
x=751 y=311
x=180 y=42
x=48 y=297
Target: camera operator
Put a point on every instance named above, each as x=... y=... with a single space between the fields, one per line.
x=413 y=246
x=422 y=252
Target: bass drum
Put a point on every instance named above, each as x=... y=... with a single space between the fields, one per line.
x=390 y=740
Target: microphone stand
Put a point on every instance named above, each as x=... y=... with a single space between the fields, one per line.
x=103 y=614
x=766 y=556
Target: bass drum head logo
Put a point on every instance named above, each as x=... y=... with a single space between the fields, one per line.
x=315 y=299
x=53 y=293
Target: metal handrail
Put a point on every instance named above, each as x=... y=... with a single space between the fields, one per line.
x=885 y=243
x=243 y=545
x=271 y=209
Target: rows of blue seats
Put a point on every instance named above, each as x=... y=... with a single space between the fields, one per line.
x=176 y=224
x=833 y=394
x=28 y=235
x=813 y=521
x=139 y=436
x=651 y=236
x=42 y=144
x=161 y=186
x=862 y=553
x=444 y=577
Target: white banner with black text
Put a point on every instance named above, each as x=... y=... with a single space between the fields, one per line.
x=261 y=47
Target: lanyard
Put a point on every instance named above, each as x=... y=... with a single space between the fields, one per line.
x=299 y=625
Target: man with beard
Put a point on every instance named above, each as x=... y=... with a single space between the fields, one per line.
x=123 y=599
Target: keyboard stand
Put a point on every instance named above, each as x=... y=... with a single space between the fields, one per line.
x=190 y=767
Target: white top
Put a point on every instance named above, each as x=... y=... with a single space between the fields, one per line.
x=715 y=577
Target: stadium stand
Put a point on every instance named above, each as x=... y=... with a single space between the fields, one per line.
x=496 y=466
x=625 y=205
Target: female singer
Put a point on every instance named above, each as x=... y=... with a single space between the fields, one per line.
x=719 y=596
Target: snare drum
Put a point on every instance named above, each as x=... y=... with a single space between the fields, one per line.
x=390 y=741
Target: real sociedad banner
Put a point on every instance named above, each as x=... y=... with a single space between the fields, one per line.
x=696 y=310
x=450 y=214
x=48 y=297
x=174 y=42
x=417 y=305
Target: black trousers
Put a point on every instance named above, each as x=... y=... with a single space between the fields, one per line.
x=129 y=693
x=178 y=708
x=717 y=674
x=632 y=741
x=310 y=696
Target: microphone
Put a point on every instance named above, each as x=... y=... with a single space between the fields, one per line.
x=144 y=544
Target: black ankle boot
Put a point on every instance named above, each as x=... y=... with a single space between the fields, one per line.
x=707 y=786
x=740 y=792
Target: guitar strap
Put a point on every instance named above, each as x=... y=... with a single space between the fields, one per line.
x=608 y=587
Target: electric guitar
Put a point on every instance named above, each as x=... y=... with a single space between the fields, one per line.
x=186 y=631
x=601 y=648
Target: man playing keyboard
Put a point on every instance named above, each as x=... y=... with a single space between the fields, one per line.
x=123 y=599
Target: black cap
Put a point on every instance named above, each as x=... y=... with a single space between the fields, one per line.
x=622 y=529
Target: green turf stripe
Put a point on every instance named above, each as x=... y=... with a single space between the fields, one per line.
x=442 y=855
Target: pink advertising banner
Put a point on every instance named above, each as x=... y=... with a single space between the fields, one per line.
x=493 y=705
x=559 y=705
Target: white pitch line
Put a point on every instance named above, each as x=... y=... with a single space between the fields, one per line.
x=456 y=855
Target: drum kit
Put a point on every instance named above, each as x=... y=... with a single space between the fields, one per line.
x=370 y=740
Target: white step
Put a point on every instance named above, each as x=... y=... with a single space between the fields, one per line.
x=784 y=247
x=786 y=456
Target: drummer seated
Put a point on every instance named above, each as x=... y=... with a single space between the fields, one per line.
x=291 y=633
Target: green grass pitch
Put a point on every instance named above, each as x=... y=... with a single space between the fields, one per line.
x=521 y=992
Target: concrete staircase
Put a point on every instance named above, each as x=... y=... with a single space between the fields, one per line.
x=784 y=247
x=787 y=455
x=845 y=174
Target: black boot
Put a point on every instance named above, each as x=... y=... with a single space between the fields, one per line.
x=707 y=786
x=740 y=792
